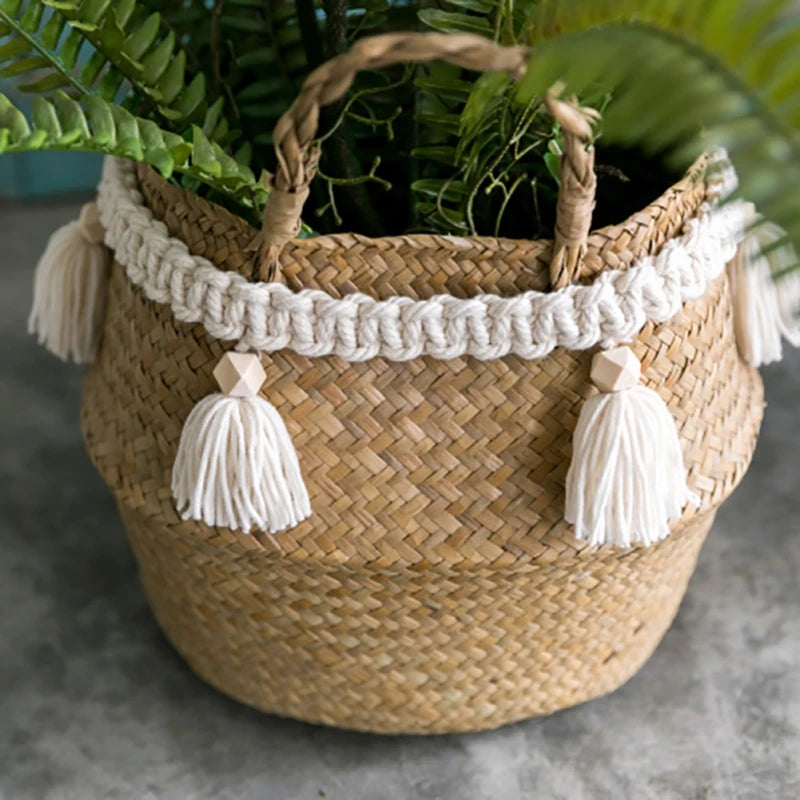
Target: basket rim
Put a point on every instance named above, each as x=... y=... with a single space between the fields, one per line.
x=711 y=168
x=268 y=317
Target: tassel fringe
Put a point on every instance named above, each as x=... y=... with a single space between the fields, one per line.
x=627 y=478
x=69 y=290
x=766 y=303
x=236 y=466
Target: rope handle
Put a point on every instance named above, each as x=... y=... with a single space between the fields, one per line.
x=297 y=128
x=576 y=192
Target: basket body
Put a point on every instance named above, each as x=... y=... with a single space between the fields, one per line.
x=436 y=586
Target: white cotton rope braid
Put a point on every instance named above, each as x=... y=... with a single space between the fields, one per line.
x=269 y=316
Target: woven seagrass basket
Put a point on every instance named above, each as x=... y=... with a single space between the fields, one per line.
x=436 y=586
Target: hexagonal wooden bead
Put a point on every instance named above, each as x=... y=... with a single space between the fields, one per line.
x=240 y=374
x=91 y=227
x=615 y=370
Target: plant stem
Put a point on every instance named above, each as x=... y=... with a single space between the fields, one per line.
x=340 y=149
x=312 y=40
x=267 y=12
x=219 y=85
x=214 y=44
x=336 y=29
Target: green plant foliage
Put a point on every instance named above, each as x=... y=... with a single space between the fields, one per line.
x=257 y=54
x=501 y=177
x=687 y=77
x=110 y=49
x=122 y=52
x=139 y=49
x=253 y=56
x=95 y=125
x=496 y=151
x=461 y=153
x=38 y=54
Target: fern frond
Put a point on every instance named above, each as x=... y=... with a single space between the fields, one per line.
x=252 y=54
x=499 y=150
x=35 y=45
x=132 y=45
x=103 y=48
x=685 y=77
x=94 y=125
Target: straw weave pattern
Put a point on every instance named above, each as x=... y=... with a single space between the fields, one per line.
x=436 y=587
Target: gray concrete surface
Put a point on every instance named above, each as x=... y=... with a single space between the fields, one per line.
x=95 y=704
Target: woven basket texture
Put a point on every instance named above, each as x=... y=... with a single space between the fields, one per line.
x=436 y=586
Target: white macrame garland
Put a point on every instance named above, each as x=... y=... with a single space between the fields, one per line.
x=69 y=289
x=627 y=478
x=267 y=317
x=766 y=303
x=236 y=466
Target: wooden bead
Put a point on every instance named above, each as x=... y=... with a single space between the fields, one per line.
x=240 y=374
x=615 y=370
x=91 y=227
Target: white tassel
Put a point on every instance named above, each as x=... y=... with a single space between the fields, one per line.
x=236 y=465
x=766 y=308
x=627 y=478
x=69 y=289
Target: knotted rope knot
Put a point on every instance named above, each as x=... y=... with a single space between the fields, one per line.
x=574 y=119
x=282 y=215
x=90 y=225
x=283 y=210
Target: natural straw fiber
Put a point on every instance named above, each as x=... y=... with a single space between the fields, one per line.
x=296 y=129
x=436 y=586
x=578 y=188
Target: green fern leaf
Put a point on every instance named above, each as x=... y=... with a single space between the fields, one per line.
x=132 y=45
x=455 y=22
x=94 y=125
x=30 y=48
x=683 y=81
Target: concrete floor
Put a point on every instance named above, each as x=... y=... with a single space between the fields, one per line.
x=95 y=704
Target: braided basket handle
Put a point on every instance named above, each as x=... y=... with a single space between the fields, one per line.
x=296 y=129
x=576 y=192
